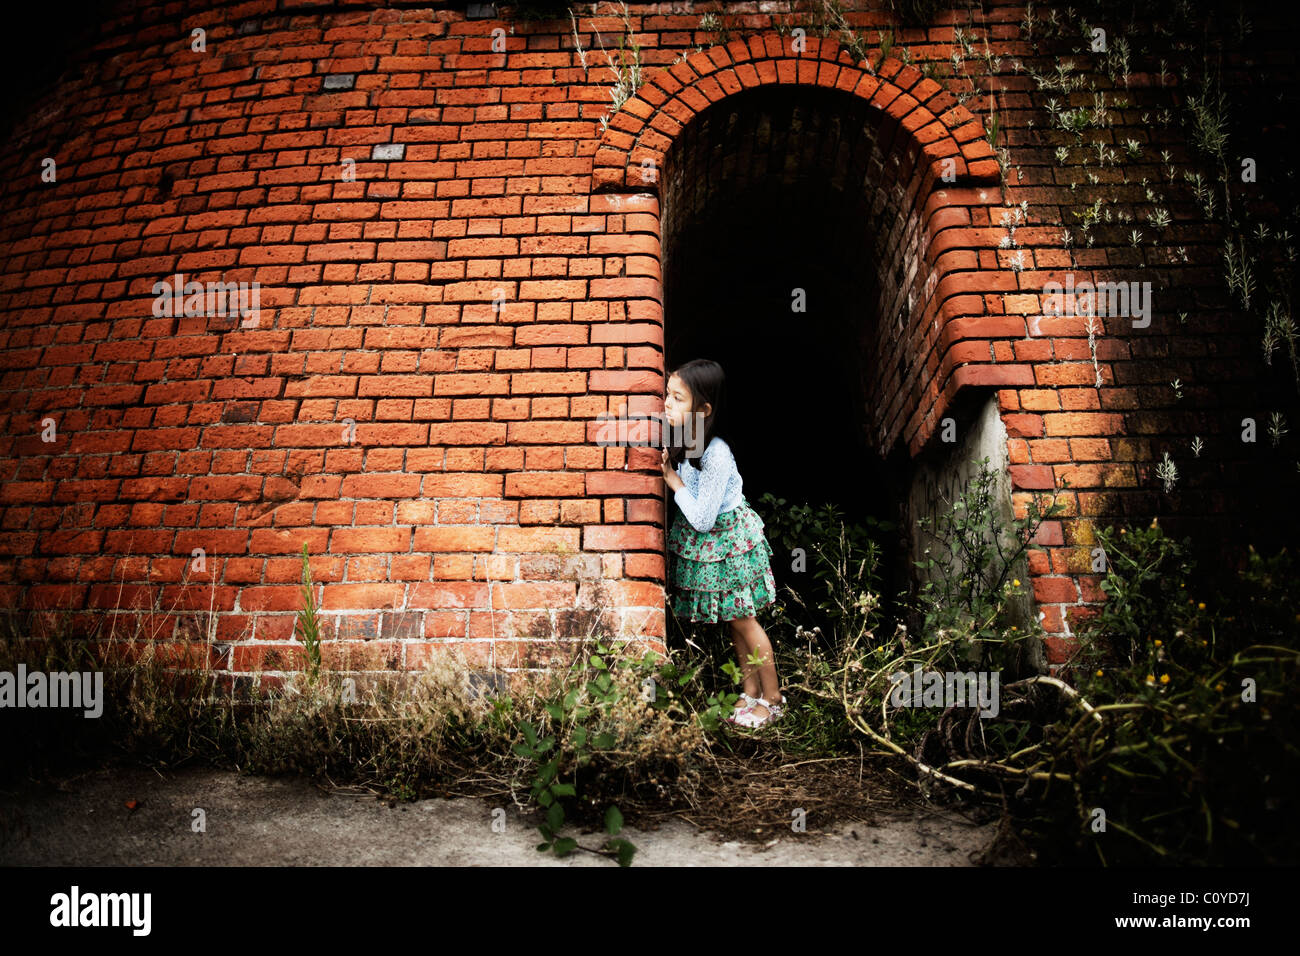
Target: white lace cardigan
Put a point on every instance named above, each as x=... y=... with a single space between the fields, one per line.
x=710 y=490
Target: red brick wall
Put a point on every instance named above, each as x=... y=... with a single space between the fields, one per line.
x=488 y=285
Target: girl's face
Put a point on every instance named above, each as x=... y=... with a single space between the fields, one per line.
x=678 y=402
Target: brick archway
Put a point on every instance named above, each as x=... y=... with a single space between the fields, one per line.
x=959 y=313
x=947 y=277
x=931 y=124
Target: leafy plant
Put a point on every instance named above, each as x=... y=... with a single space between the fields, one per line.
x=886 y=46
x=973 y=562
x=627 y=70
x=967 y=621
x=597 y=714
x=826 y=16
x=1189 y=741
x=307 y=624
x=843 y=559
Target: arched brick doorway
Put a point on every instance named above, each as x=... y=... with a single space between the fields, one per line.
x=900 y=172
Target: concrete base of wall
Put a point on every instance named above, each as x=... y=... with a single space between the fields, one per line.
x=940 y=475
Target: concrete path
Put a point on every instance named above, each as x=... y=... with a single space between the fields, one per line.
x=257 y=821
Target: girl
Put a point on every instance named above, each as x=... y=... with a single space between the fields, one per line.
x=721 y=568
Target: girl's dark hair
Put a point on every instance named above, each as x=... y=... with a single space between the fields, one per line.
x=705 y=381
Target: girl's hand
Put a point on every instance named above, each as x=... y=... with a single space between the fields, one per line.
x=670 y=476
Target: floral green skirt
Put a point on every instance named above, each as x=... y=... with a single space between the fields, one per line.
x=721 y=574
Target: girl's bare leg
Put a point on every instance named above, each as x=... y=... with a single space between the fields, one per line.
x=750 y=671
x=755 y=639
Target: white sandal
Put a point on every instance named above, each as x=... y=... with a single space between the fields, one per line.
x=742 y=706
x=747 y=718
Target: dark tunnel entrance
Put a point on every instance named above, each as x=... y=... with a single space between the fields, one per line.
x=772 y=219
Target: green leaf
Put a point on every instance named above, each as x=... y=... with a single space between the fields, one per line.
x=624 y=849
x=545 y=798
x=613 y=820
x=579 y=738
x=523 y=750
x=603 y=741
x=555 y=816
x=529 y=733
x=555 y=710
x=543 y=847
x=565 y=845
x=563 y=789
x=597 y=661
